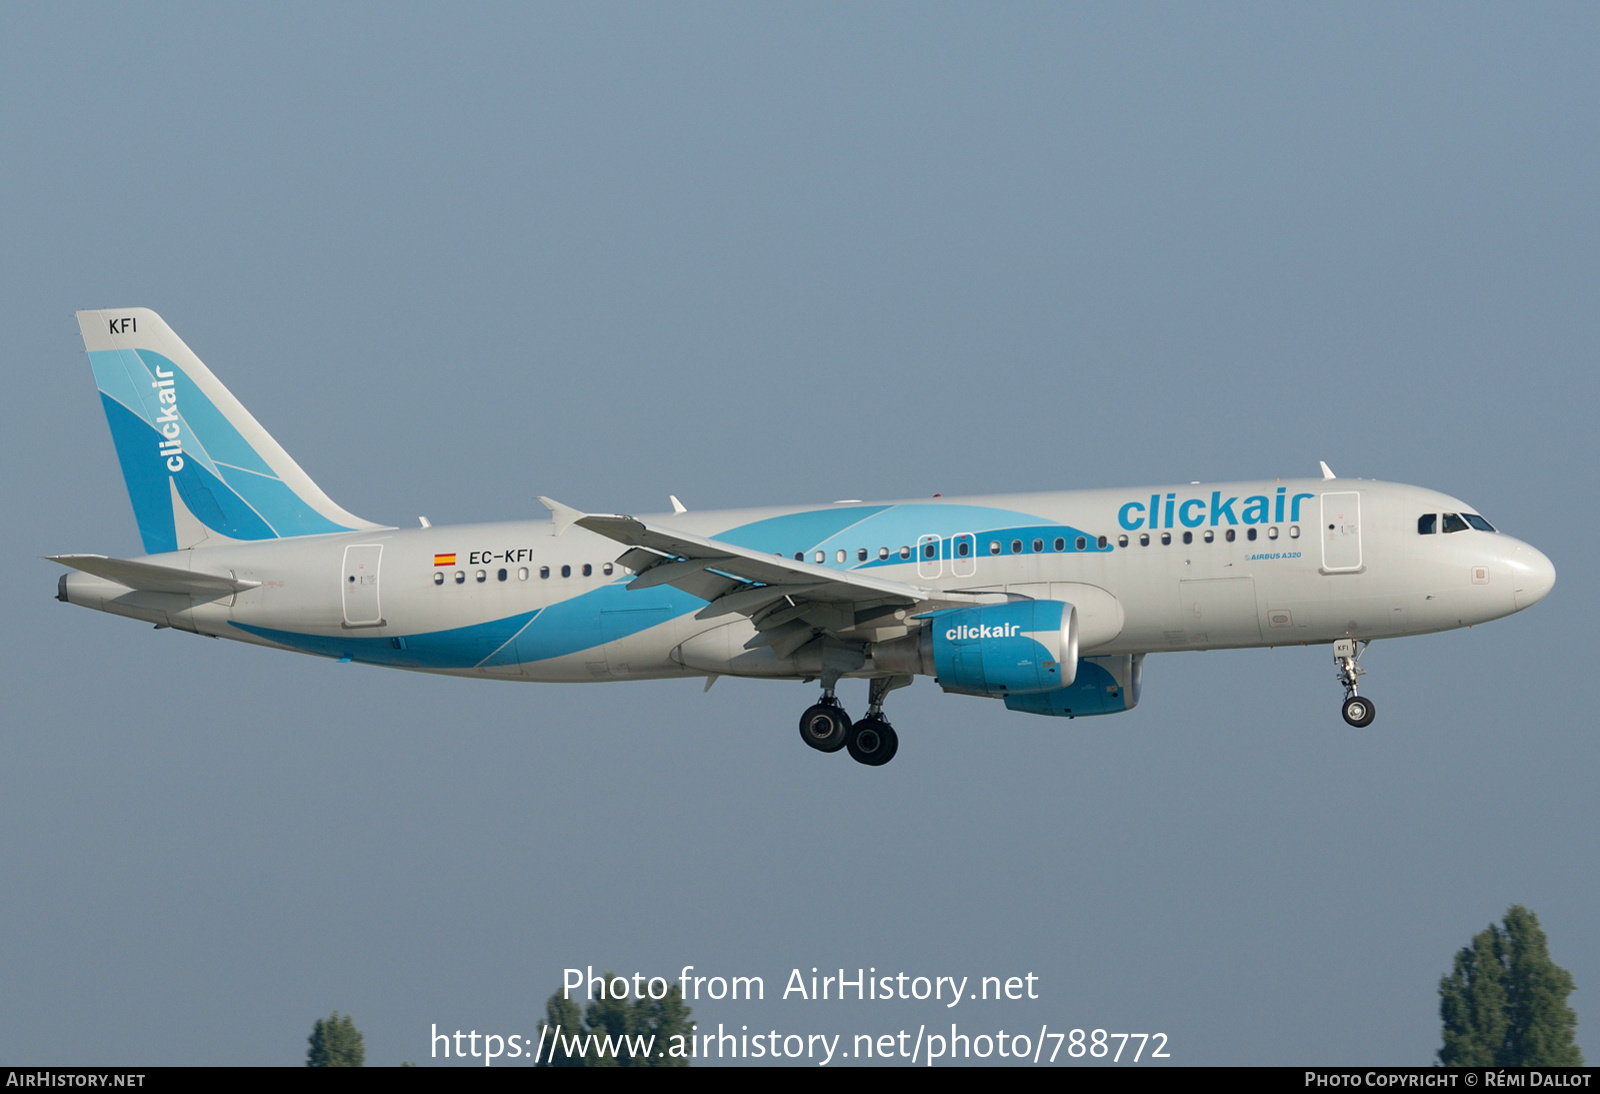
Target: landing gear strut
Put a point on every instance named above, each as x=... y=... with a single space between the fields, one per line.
x=871 y=741
x=1358 y=711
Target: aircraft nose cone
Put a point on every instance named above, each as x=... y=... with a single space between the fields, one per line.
x=1532 y=575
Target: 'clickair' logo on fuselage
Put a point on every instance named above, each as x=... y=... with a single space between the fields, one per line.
x=167 y=422
x=1193 y=512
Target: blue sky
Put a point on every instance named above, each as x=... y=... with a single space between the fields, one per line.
x=768 y=254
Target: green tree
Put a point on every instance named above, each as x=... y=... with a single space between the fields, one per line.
x=335 y=1042
x=665 y=1019
x=1504 y=1004
x=616 y=1018
x=562 y=1019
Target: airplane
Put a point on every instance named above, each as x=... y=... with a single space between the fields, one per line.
x=1047 y=601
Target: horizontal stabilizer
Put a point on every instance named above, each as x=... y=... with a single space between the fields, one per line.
x=150 y=578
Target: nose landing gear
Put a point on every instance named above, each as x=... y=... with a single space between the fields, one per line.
x=1359 y=712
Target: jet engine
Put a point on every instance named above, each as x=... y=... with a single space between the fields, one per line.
x=1105 y=685
x=1021 y=648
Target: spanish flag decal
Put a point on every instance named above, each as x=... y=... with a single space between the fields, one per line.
x=445 y=560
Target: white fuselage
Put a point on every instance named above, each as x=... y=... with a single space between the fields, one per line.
x=1199 y=566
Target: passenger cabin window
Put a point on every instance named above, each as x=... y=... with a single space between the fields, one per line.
x=1144 y=539
x=1294 y=531
x=929 y=550
x=861 y=555
x=1061 y=544
x=1427 y=524
x=1166 y=539
x=1272 y=533
x=1210 y=535
x=482 y=576
x=963 y=548
x=501 y=576
x=438 y=577
x=1188 y=537
x=606 y=569
x=588 y=570
x=1081 y=543
x=883 y=553
x=1454 y=523
x=994 y=546
x=1250 y=534
x=905 y=552
x=566 y=571
x=1016 y=546
x=1230 y=534
x=1122 y=541
x=1038 y=546
x=461 y=577
x=1101 y=542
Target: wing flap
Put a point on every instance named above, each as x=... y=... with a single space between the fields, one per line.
x=751 y=600
x=639 y=559
x=771 y=636
x=663 y=572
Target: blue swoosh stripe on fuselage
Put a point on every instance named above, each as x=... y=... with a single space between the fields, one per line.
x=897 y=526
x=565 y=627
x=781 y=535
x=1049 y=533
x=610 y=612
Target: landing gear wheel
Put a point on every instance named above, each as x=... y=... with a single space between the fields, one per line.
x=1359 y=711
x=825 y=726
x=872 y=741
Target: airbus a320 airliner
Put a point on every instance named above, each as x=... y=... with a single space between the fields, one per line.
x=1048 y=602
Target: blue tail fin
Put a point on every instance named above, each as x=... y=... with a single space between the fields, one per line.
x=198 y=467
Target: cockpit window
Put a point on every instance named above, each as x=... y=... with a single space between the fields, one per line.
x=1478 y=522
x=1454 y=523
x=1427 y=524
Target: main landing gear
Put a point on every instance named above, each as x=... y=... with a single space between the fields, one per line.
x=1358 y=711
x=825 y=726
x=871 y=741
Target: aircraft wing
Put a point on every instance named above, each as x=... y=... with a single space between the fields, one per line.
x=788 y=601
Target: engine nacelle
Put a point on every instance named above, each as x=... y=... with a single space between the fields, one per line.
x=1011 y=649
x=1105 y=685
